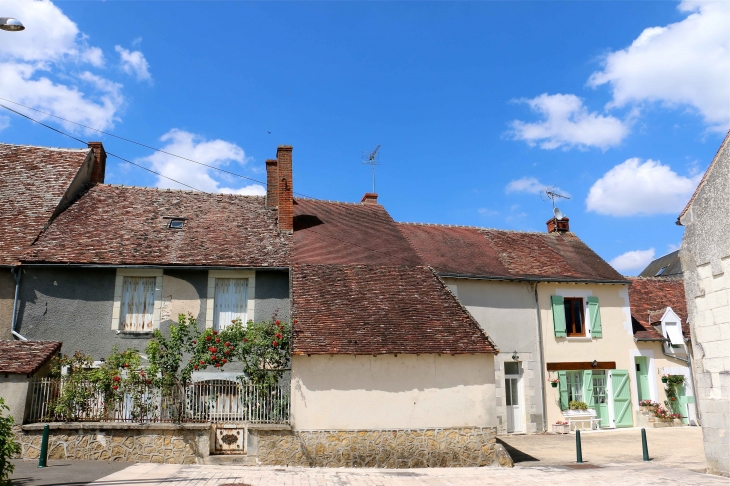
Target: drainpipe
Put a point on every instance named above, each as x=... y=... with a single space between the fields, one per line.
x=688 y=362
x=16 y=276
x=542 y=362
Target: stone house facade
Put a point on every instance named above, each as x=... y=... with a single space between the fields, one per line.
x=705 y=256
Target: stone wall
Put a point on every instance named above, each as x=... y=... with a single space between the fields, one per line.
x=404 y=448
x=161 y=443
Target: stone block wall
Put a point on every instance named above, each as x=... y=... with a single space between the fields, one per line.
x=400 y=448
x=161 y=443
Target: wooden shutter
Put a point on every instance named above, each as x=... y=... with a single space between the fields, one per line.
x=558 y=315
x=563 y=389
x=595 y=315
x=621 y=398
x=588 y=388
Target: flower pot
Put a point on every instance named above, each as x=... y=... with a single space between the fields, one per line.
x=664 y=379
x=554 y=385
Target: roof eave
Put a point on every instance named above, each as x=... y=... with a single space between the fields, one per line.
x=530 y=279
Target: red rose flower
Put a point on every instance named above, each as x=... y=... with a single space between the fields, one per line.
x=202 y=362
x=115 y=387
x=195 y=367
x=278 y=322
x=217 y=365
x=213 y=350
x=213 y=357
x=195 y=341
x=149 y=381
x=279 y=335
x=225 y=361
x=245 y=340
x=207 y=338
x=273 y=342
x=116 y=378
x=215 y=333
x=227 y=351
x=673 y=399
x=227 y=344
x=295 y=321
x=218 y=340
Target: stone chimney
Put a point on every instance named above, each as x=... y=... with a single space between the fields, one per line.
x=272 y=183
x=99 y=168
x=285 y=188
x=369 y=198
x=556 y=225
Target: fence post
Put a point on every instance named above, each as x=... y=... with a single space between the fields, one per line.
x=43 y=458
x=578 y=450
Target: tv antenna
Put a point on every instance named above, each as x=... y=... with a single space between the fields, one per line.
x=372 y=159
x=552 y=194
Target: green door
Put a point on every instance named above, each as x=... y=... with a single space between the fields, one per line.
x=684 y=403
x=600 y=399
x=642 y=378
x=621 y=398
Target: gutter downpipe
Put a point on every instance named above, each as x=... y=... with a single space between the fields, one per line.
x=542 y=361
x=16 y=276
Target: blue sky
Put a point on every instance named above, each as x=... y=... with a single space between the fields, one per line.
x=477 y=105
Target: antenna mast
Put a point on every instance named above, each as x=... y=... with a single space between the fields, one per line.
x=549 y=192
x=372 y=159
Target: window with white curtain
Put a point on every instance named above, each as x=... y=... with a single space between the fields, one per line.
x=231 y=299
x=137 y=304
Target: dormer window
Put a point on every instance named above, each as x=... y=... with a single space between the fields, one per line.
x=661 y=271
x=176 y=223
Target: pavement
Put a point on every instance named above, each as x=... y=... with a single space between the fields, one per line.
x=611 y=457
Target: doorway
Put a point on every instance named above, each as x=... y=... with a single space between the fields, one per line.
x=642 y=378
x=513 y=394
x=601 y=398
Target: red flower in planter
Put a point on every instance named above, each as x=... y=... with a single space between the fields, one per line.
x=195 y=367
x=202 y=362
x=215 y=333
x=227 y=351
x=225 y=361
x=217 y=365
x=217 y=340
x=274 y=343
x=227 y=344
x=213 y=357
x=279 y=336
x=116 y=378
x=207 y=338
x=115 y=387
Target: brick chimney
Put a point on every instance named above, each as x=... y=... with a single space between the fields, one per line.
x=285 y=188
x=369 y=198
x=556 y=225
x=99 y=168
x=272 y=183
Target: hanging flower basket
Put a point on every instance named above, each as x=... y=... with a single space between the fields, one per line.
x=554 y=384
x=664 y=379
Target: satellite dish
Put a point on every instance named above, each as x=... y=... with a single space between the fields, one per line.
x=558 y=213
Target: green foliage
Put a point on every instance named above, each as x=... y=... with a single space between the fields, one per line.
x=573 y=405
x=8 y=446
x=671 y=388
x=261 y=347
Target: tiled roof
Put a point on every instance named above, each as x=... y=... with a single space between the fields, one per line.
x=670 y=263
x=367 y=309
x=500 y=254
x=343 y=233
x=651 y=297
x=117 y=225
x=33 y=181
x=26 y=357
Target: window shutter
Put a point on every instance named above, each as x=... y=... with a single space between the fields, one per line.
x=588 y=388
x=595 y=316
x=563 y=389
x=621 y=398
x=558 y=315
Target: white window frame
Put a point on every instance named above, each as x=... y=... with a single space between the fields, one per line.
x=118 y=286
x=250 y=275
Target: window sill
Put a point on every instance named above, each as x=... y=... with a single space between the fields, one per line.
x=135 y=335
x=579 y=338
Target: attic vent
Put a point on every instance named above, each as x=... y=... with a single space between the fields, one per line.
x=176 y=224
x=661 y=270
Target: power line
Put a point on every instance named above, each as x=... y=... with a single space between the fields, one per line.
x=134 y=142
x=108 y=153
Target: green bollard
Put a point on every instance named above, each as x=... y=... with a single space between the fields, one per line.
x=578 y=450
x=644 y=447
x=43 y=458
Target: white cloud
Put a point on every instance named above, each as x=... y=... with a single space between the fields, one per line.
x=531 y=185
x=487 y=212
x=46 y=67
x=134 y=63
x=567 y=123
x=635 y=188
x=633 y=260
x=681 y=64
x=217 y=153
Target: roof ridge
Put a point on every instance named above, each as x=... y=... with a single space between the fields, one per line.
x=68 y=149
x=305 y=198
x=658 y=279
x=482 y=228
x=164 y=189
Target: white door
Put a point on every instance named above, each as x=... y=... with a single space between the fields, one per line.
x=513 y=394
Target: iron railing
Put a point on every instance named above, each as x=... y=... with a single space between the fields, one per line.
x=58 y=399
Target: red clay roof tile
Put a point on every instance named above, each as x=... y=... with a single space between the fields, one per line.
x=650 y=296
x=26 y=357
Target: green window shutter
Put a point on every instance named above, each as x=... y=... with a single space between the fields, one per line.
x=595 y=316
x=588 y=388
x=621 y=398
x=558 y=315
x=563 y=389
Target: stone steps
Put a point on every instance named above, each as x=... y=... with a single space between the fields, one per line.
x=230 y=460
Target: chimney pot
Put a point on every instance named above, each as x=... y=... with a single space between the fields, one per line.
x=369 y=198
x=272 y=183
x=555 y=225
x=99 y=168
x=285 y=188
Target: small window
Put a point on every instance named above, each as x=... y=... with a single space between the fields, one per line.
x=231 y=299
x=138 y=304
x=176 y=224
x=574 y=322
x=661 y=271
x=511 y=368
x=575 y=386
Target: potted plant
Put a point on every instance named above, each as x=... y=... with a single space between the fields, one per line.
x=573 y=405
x=665 y=378
x=648 y=405
x=561 y=427
x=554 y=382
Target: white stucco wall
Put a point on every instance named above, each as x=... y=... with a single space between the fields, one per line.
x=14 y=390
x=405 y=391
